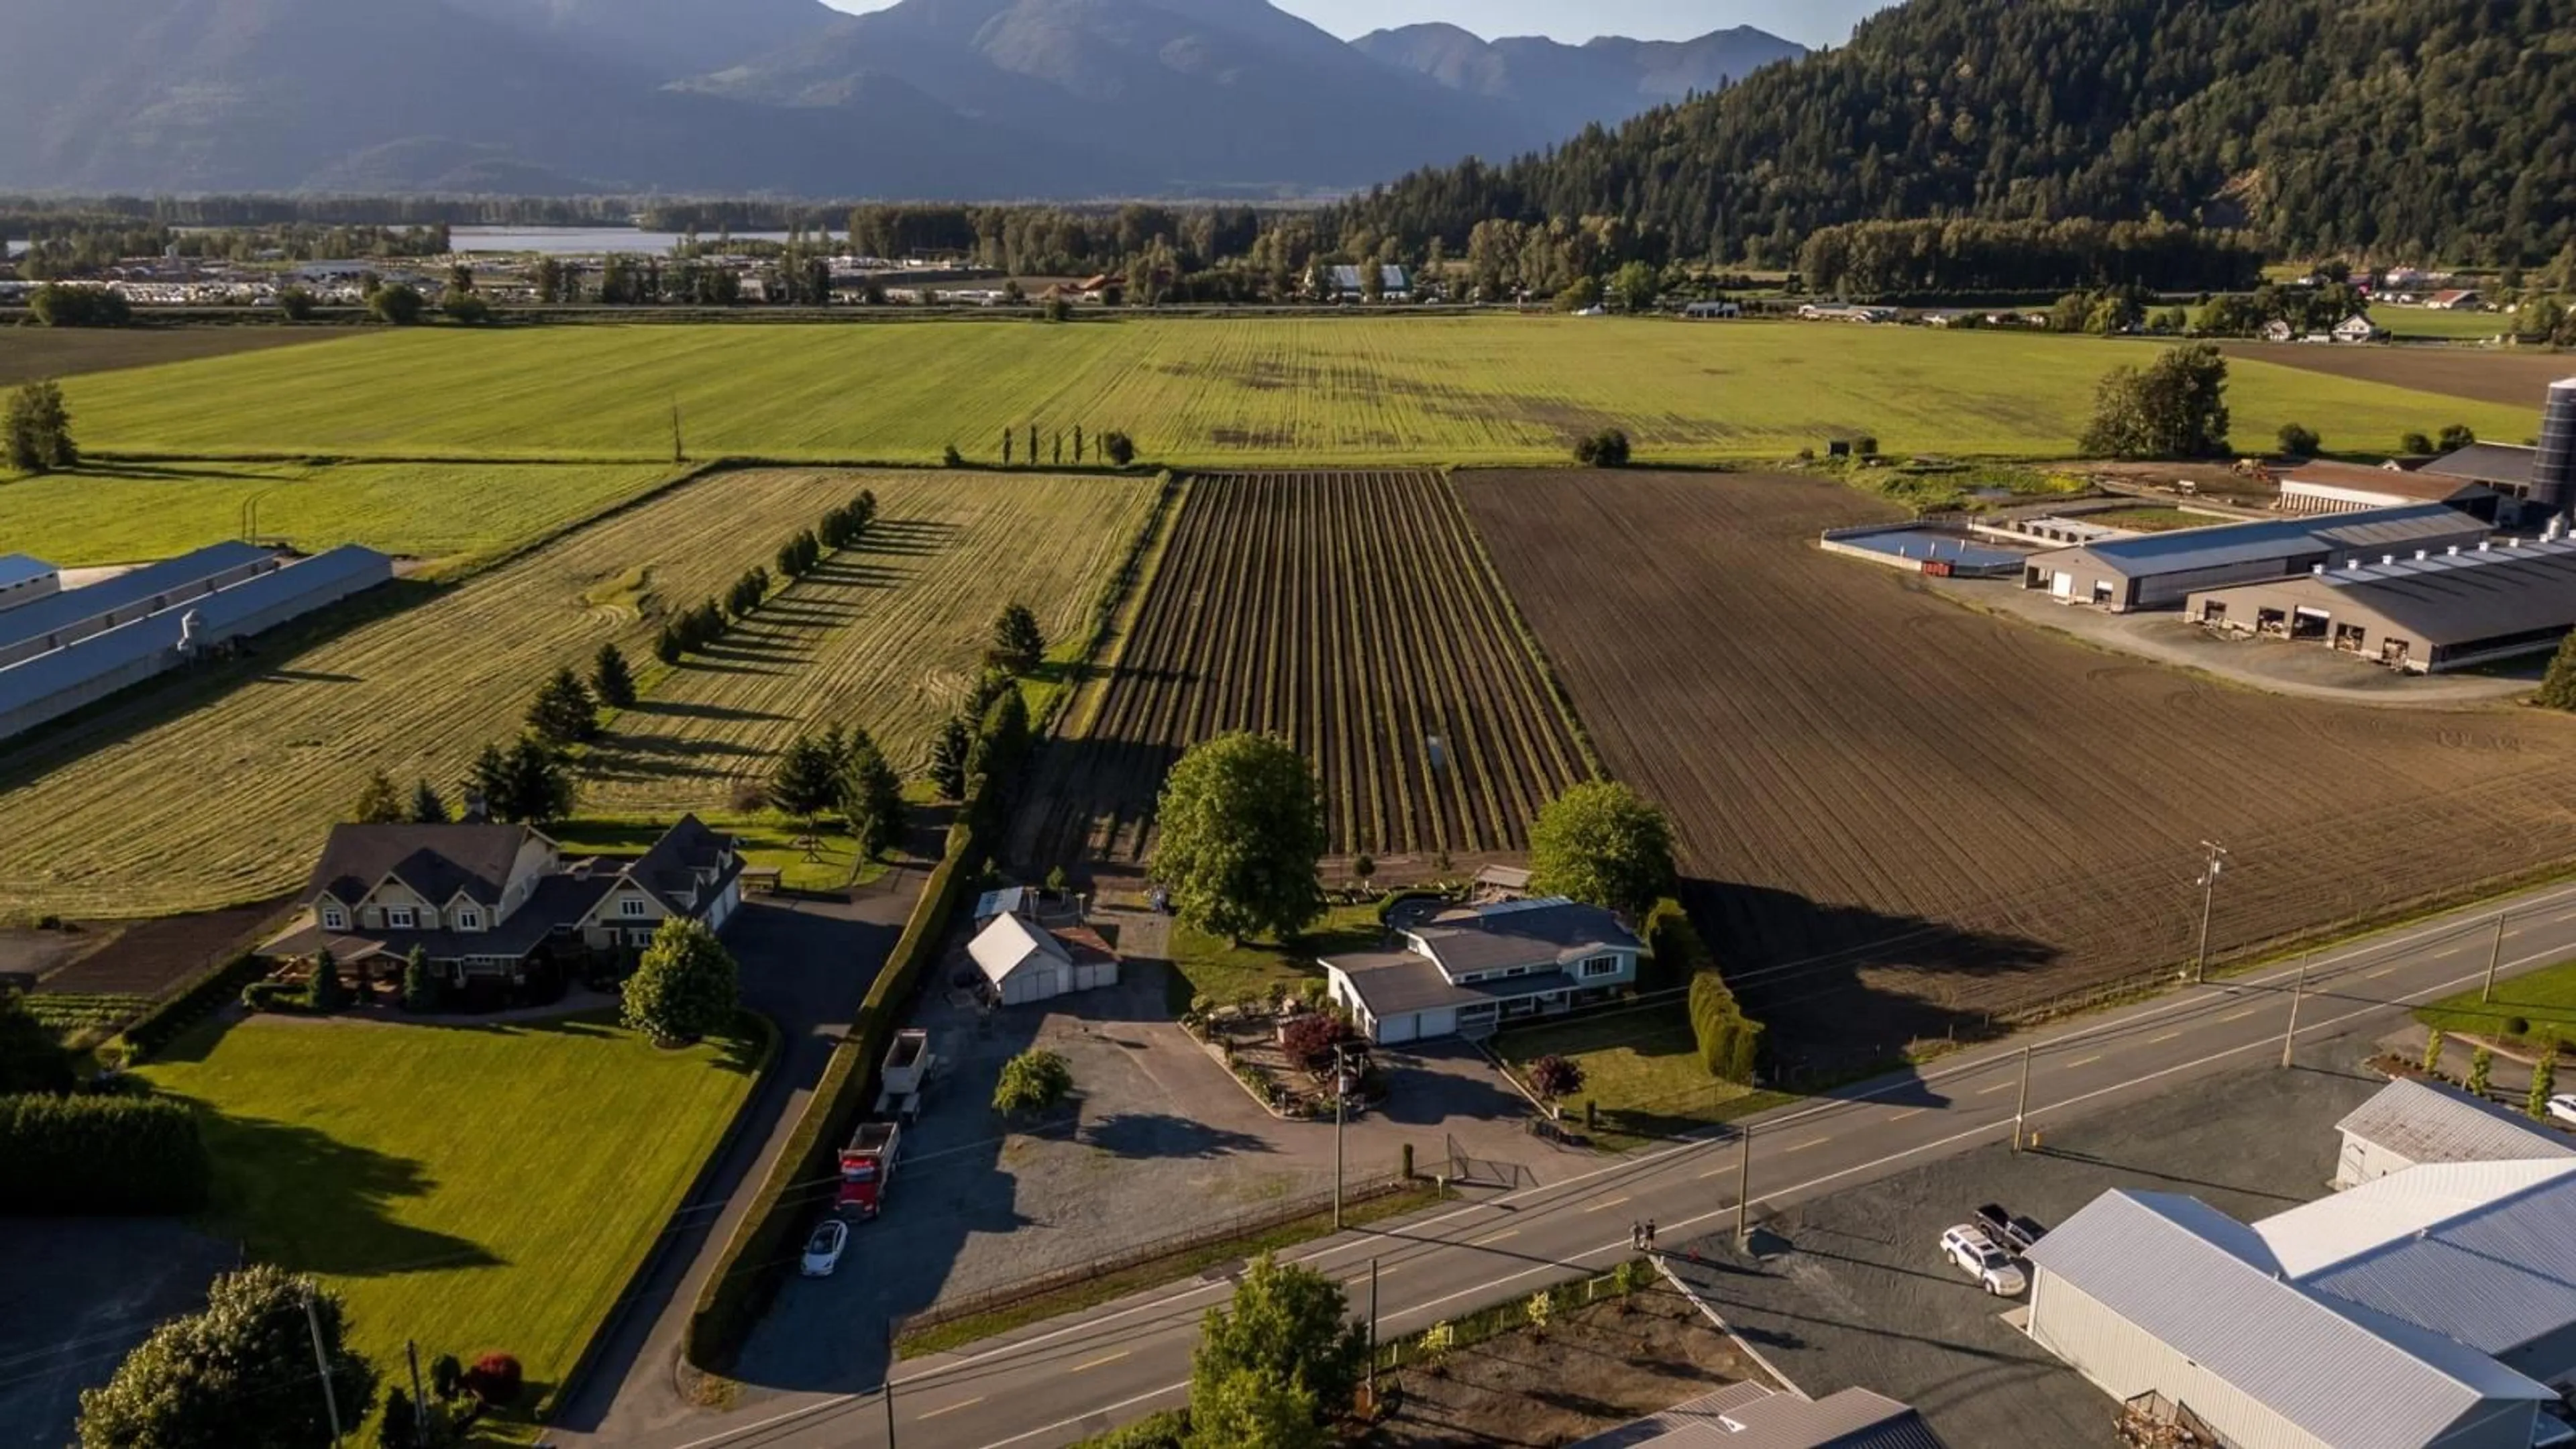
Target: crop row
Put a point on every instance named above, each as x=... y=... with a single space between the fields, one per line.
x=1349 y=614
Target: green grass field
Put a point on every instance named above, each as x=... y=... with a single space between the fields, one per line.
x=1641 y=1069
x=2545 y=999
x=217 y=789
x=1320 y=391
x=460 y=514
x=2442 y=326
x=1205 y=965
x=471 y=1188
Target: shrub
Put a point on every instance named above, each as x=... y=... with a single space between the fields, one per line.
x=685 y=987
x=2417 y=444
x=2517 y=1026
x=951 y=458
x=100 y=1155
x=1162 y=1430
x=1033 y=1081
x=2298 y=440
x=496 y=1379
x=275 y=996
x=1554 y=1077
x=1730 y=1043
x=324 y=990
x=1118 y=448
x=1605 y=449
x=1309 y=1040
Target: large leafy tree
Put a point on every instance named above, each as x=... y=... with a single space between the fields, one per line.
x=685 y=987
x=2175 y=408
x=1249 y=1411
x=241 y=1372
x=1603 y=844
x=2558 y=687
x=1286 y=1327
x=1034 y=1081
x=1241 y=832
x=37 y=435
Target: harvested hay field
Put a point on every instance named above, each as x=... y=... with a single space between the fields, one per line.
x=886 y=634
x=1351 y=614
x=1900 y=816
x=27 y=353
x=217 y=790
x=2513 y=379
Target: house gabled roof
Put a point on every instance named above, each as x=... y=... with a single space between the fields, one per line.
x=435 y=861
x=671 y=870
x=1520 y=933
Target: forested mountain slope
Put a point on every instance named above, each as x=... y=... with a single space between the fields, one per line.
x=2403 y=129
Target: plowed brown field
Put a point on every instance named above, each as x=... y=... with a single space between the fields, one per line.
x=1901 y=815
x=1350 y=614
x=2516 y=379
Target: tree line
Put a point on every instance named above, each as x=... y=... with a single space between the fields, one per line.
x=1899 y=258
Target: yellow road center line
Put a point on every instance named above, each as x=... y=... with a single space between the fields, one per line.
x=2240 y=1015
x=2085 y=1061
x=2375 y=975
x=1810 y=1142
x=1097 y=1362
x=1498 y=1237
x=1909 y=1112
x=1997 y=1087
x=1605 y=1203
x=950 y=1408
x=2168 y=1036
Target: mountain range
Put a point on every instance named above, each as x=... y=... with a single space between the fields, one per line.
x=928 y=99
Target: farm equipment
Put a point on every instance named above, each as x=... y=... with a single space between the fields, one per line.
x=906 y=1073
x=867 y=1165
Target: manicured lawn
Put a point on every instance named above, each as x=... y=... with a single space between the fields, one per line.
x=1641 y=1068
x=1261 y=391
x=470 y=1188
x=2545 y=998
x=1205 y=965
x=458 y=513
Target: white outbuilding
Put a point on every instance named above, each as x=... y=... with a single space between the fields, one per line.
x=1026 y=962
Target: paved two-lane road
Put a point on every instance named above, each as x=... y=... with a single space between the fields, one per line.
x=1063 y=1379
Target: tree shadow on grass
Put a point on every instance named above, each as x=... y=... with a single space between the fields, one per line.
x=312 y=1203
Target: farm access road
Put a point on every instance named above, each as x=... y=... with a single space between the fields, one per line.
x=1058 y=1381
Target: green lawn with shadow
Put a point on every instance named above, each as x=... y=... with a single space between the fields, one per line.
x=1210 y=966
x=2543 y=1000
x=473 y=1188
x=1641 y=1070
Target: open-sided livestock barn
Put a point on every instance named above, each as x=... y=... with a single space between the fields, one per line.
x=2447 y=611
x=2161 y=570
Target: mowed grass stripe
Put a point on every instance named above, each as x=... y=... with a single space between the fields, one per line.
x=112 y=512
x=1212 y=393
x=143 y=812
x=885 y=635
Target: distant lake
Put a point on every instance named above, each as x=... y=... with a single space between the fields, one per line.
x=571 y=241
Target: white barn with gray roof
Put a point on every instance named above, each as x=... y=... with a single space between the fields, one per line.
x=2408 y=1123
x=1467 y=972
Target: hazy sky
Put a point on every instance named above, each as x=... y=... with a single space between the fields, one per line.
x=1813 y=22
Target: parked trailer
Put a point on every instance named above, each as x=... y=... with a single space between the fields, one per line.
x=867 y=1165
x=905 y=1074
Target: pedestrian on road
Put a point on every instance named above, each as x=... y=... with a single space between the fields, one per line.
x=1650 y=1235
x=1636 y=1235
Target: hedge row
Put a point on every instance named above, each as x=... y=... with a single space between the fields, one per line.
x=100 y=1155
x=211 y=988
x=747 y=1274
x=1730 y=1043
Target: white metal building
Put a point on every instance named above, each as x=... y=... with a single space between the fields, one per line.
x=66 y=617
x=2314 y=488
x=24 y=579
x=2409 y=1123
x=2155 y=1295
x=1026 y=962
x=2161 y=570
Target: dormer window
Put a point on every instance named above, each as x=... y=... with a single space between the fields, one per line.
x=631 y=907
x=469 y=920
x=1601 y=966
x=400 y=918
x=334 y=918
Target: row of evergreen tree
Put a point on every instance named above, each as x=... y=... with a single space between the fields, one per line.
x=694 y=629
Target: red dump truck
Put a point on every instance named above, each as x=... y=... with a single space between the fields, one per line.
x=866 y=1166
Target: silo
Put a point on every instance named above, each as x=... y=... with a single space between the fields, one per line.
x=2553 y=472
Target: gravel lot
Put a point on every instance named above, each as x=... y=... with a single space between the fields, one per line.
x=1161 y=1141
x=1851 y=1289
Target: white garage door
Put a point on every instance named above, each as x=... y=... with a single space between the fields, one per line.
x=1404 y=1026
x=1031 y=983
x=1090 y=974
x=1440 y=1023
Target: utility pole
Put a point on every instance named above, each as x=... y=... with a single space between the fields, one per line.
x=2495 y=958
x=322 y=1362
x=1744 y=1191
x=419 y=1400
x=1372 y=1377
x=2021 y=1103
x=889 y=1384
x=2290 y=1036
x=2208 y=895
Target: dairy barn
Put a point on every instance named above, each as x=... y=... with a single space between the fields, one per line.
x=71 y=650
x=2163 y=570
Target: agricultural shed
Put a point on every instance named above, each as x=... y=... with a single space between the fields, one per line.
x=2162 y=570
x=2156 y=1295
x=74 y=614
x=2408 y=1123
x=24 y=579
x=2315 y=488
x=99 y=664
x=1757 y=1416
x=1027 y=963
x=2425 y=614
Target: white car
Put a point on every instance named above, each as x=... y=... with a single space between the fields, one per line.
x=823 y=1250
x=2563 y=1107
x=1969 y=1247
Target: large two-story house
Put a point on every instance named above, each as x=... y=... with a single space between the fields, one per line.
x=1466 y=972
x=486 y=900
